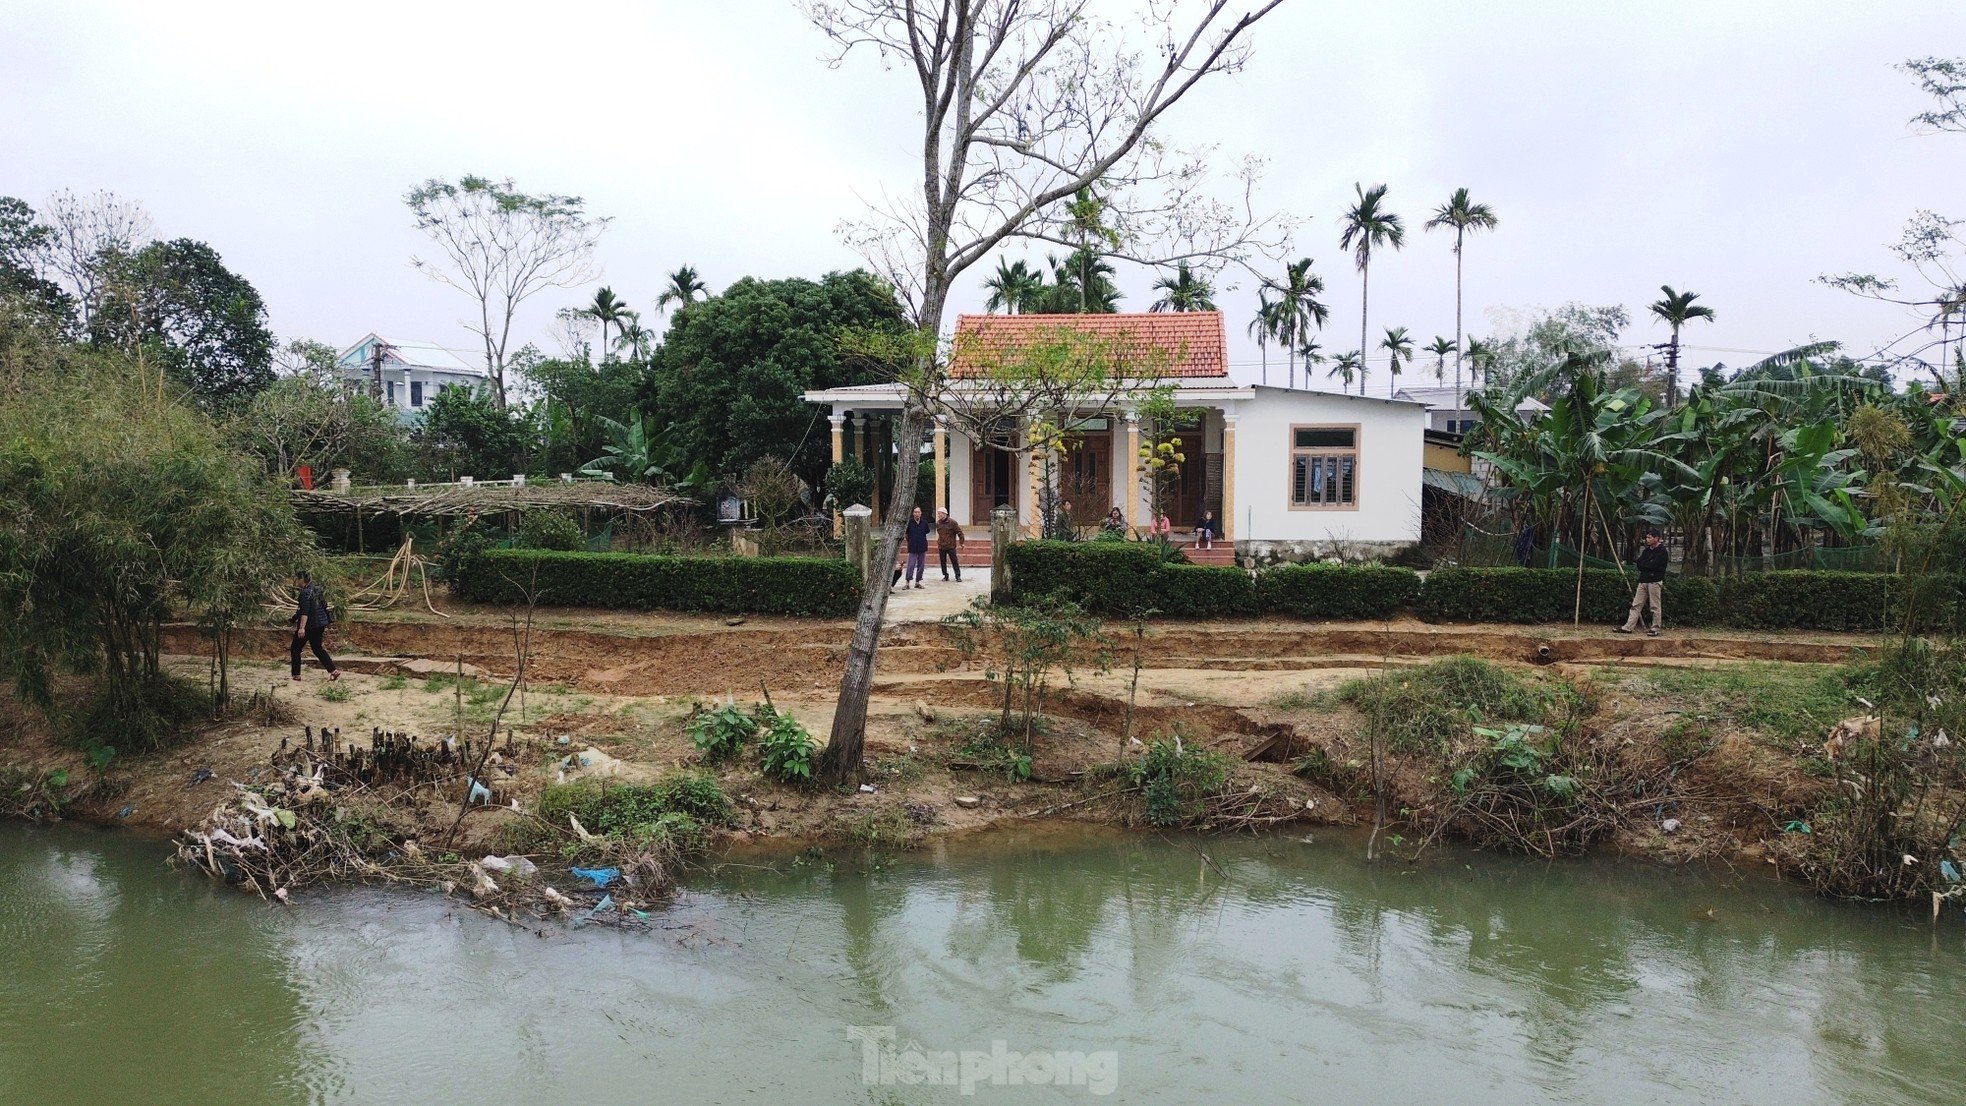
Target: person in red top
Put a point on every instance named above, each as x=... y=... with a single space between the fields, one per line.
x=948 y=544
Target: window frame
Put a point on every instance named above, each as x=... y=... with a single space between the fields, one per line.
x=1356 y=453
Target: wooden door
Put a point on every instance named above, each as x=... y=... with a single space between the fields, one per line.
x=1087 y=481
x=993 y=482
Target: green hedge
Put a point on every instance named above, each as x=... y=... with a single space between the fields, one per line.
x=1336 y=591
x=1806 y=600
x=1550 y=595
x=1119 y=578
x=823 y=587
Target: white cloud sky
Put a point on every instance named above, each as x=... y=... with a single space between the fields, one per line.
x=1736 y=149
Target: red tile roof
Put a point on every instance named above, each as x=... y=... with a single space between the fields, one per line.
x=1196 y=341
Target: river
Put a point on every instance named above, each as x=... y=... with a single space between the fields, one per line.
x=1045 y=966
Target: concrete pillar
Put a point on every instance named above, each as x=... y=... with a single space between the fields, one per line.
x=941 y=465
x=1003 y=532
x=859 y=539
x=1132 y=499
x=1230 y=531
x=876 y=434
x=838 y=422
x=1033 y=506
x=339 y=481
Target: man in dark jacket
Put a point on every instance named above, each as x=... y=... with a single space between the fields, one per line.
x=919 y=529
x=1651 y=562
x=948 y=544
x=311 y=619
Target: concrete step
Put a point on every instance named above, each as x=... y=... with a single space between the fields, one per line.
x=1221 y=553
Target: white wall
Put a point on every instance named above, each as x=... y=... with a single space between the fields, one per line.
x=961 y=488
x=1391 y=451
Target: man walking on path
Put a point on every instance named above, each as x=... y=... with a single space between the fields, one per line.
x=312 y=619
x=918 y=531
x=948 y=544
x=1651 y=562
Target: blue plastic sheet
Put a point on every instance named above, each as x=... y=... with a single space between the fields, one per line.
x=599 y=877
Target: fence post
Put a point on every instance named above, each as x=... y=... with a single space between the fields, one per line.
x=1003 y=531
x=859 y=531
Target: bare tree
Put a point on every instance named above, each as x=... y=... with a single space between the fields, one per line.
x=503 y=246
x=83 y=231
x=1024 y=104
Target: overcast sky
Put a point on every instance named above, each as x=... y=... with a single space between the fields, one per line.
x=1736 y=149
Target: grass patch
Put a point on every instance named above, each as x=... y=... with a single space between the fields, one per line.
x=1298 y=699
x=394 y=682
x=1425 y=709
x=336 y=692
x=889 y=827
x=669 y=812
x=1783 y=702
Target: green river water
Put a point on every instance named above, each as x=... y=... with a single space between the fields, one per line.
x=1042 y=967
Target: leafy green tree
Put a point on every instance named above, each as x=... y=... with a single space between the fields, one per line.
x=310 y=419
x=684 y=288
x=607 y=310
x=24 y=244
x=732 y=368
x=1460 y=215
x=1082 y=284
x=1016 y=288
x=1183 y=291
x=466 y=432
x=635 y=455
x=1676 y=309
x=1369 y=226
x=575 y=394
x=176 y=304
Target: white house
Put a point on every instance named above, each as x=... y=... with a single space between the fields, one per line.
x=412 y=373
x=1448 y=410
x=1287 y=472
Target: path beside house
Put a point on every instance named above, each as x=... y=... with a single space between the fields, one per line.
x=937 y=598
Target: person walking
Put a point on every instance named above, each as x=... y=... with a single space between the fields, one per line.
x=311 y=619
x=919 y=529
x=948 y=544
x=1651 y=562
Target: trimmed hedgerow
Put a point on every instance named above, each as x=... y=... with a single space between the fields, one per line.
x=1336 y=591
x=732 y=585
x=1550 y=595
x=1122 y=578
x=1835 y=600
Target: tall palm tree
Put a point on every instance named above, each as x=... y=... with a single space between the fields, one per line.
x=1082 y=284
x=684 y=289
x=1015 y=288
x=1298 y=308
x=608 y=310
x=1463 y=216
x=1399 y=349
x=1347 y=367
x=1263 y=328
x=1184 y=291
x=1313 y=356
x=1480 y=355
x=1369 y=225
x=1440 y=348
x=1677 y=309
x=634 y=338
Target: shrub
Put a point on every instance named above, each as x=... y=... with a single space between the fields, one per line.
x=1549 y=595
x=674 y=808
x=785 y=749
x=550 y=530
x=1177 y=781
x=1836 y=600
x=719 y=734
x=1192 y=591
x=1427 y=708
x=764 y=585
x=1336 y=591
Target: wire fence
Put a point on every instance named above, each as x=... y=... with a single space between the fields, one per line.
x=1487 y=549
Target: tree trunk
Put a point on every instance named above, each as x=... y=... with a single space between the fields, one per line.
x=839 y=762
x=1457 y=320
x=1364 y=305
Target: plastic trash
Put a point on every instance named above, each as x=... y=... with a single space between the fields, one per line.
x=606 y=902
x=480 y=794
x=1797 y=826
x=1670 y=825
x=867 y=788
x=599 y=877
x=1948 y=870
x=520 y=866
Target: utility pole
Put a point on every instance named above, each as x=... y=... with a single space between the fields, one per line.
x=375 y=367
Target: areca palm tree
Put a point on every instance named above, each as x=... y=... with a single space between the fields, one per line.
x=1463 y=216
x=1368 y=225
x=1677 y=309
x=1263 y=328
x=1184 y=291
x=1480 y=356
x=608 y=310
x=634 y=338
x=1080 y=285
x=684 y=289
x=1399 y=350
x=1313 y=356
x=1440 y=348
x=1014 y=289
x=1347 y=366
x=1298 y=309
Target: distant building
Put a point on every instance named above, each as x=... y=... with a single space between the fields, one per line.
x=412 y=372
x=1448 y=410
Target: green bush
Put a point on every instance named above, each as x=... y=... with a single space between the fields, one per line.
x=1177 y=780
x=1336 y=591
x=1550 y=594
x=672 y=808
x=1425 y=709
x=550 y=530
x=1122 y=578
x=1835 y=600
x=763 y=585
x=720 y=734
x=785 y=749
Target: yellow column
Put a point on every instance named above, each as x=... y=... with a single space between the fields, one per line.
x=1229 y=530
x=1034 y=526
x=1132 y=499
x=838 y=422
x=941 y=466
